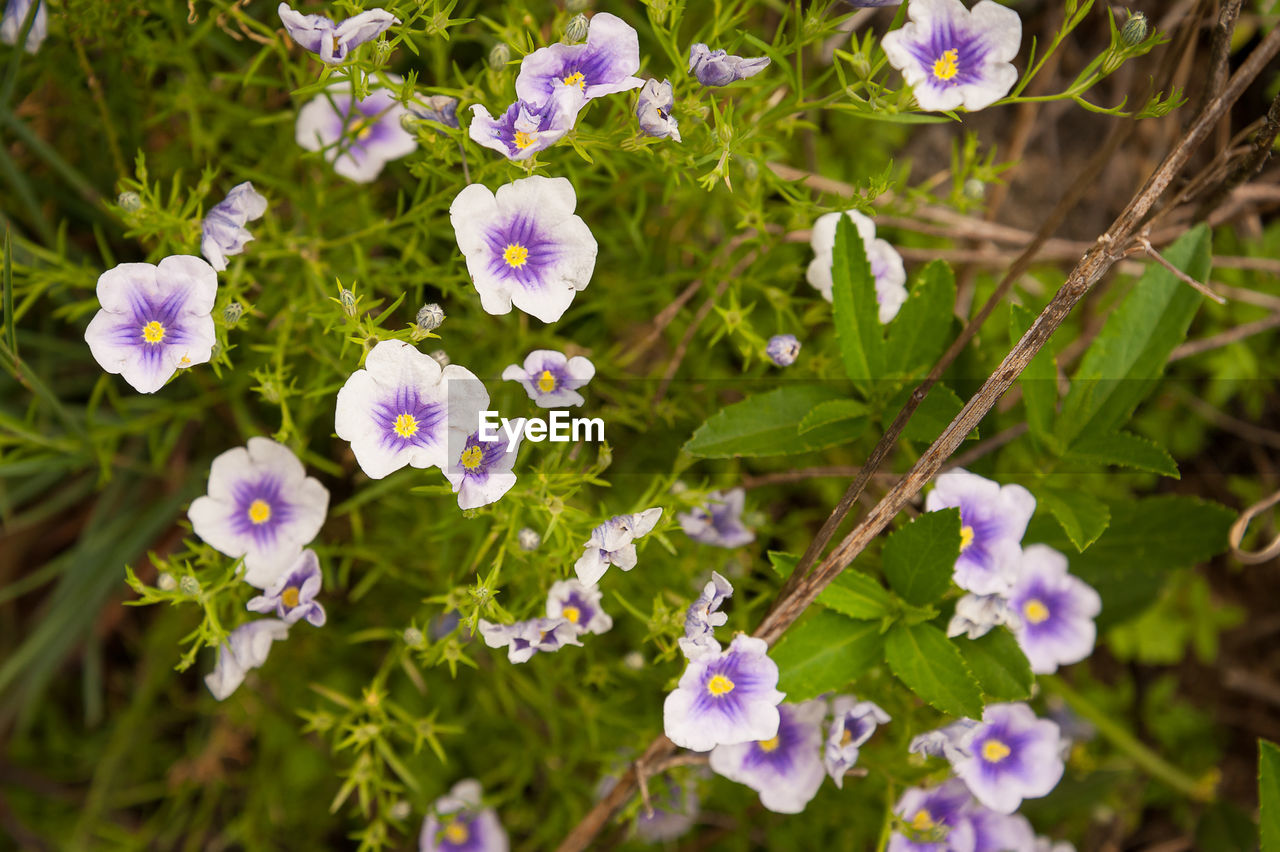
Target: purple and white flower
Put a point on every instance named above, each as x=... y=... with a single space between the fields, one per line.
x=997 y=832
x=947 y=741
x=400 y=409
x=934 y=820
x=993 y=519
x=442 y=109
x=1048 y=844
x=603 y=66
x=1009 y=757
x=15 y=15
x=719 y=522
x=1053 y=611
x=154 y=320
x=725 y=699
x=613 y=543
x=357 y=137
x=783 y=349
x=579 y=604
x=653 y=110
x=978 y=615
x=718 y=68
x=292 y=597
x=246 y=648
x=481 y=473
x=785 y=769
x=952 y=56
x=526 y=128
x=459 y=822
x=262 y=506
x=330 y=41
x=223 y=232
x=551 y=379
x=852 y=724
x=672 y=815
x=524 y=246
x=703 y=618
x=886 y=264
x=523 y=639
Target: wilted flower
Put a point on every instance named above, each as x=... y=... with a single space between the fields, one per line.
x=154 y=319
x=399 y=409
x=653 y=110
x=702 y=619
x=719 y=522
x=725 y=699
x=524 y=246
x=15 y=15
x=977 y=615
x=886 y=264
x=260 y=505
x=292 y=595
x=223 y=232
x=526 y=128
x=1010 y=756
x=718 y=68
x=783 y=349
x=602 y=66
x=937 y=820
x=1053 y=611
x=459 y=823
x=579 y=604
x=852 y=724
x=357 y=137
x=993 y=519
x=551 y=379
x=441 y=109
x=523 y=639
x=952 y=56
x=332 y=42
x=246 y=648
x=785 y=769
x=946 y=741
x=481 y=472
x=613 y=543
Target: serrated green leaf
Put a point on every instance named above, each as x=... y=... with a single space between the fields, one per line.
x=932 y=666
x=1039 y=381
x=854 y=307
x=823 y=652
x=935 y=413
x=851 y=414
x=1123 y=364
x=1083 y=517
x=768 y=425
x=1269 y=796
x=852 y=593
x=920 y=558
x=921 y=330
x=999 y=665
x=1125 y=450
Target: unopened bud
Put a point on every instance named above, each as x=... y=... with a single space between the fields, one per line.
x=189 y=585
x=165 y=582
x=232 y=313
x=401 y=810
x=499 y=56
x=576 y=29
x=412 y=637
x=1136 y=30
x=382 y=51
x=528 y=539
x=633 y=660
x=130 y=201
x=974 y=189
x=429 y=317
x=348 y=300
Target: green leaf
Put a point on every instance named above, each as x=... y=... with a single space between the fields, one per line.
x=1039 y=381
x=920 y=558
x=931 y=665
x=921 y=330
x=1124 y=450
x=768 y=425
x=935 y=413
x=1269 y=795
x=1083 y=517
x=849 y=413
x=857 y=315
x=999 y=664
x=853 y=593
x=823 y=652
x=1123 y=364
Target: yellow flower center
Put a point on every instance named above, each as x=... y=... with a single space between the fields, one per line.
x=361 y=127
x=945 y=68
x=471 y=457
x=259 y=511
x=922 y=821
x=966 y=538
x=153 y=332
x=572 y=613
x=406 y=426
x=515 y=255
x=846 y=737
x=290 y=597
x=575 y=79
x=456 y=833
x=769 y=744
x=185 y=361
x=524 y=140
x=546 y=382
x=994 y=751
x=1035 y=611
x=719 y=685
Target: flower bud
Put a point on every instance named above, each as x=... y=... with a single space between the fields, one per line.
x=429 y=317
x=130 y=201
x=231 y=313
x=499 y=56
x=165 y=582
x=528 y=539
x=442 y=357
x=189 y=585
x=401 y=810
x=576 y=30
x=348 y=300
x=633 y=660
x=412 y=637
x=974 y=189
x=1136 y=30
x=382 y=51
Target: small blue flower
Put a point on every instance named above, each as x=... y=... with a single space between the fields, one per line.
x=441 y=109
x=1053 y=611
x=552 y=379
x=719 y=522
x=852 y=724
x=523 y=639
x=15 y=15
x=603 y=66
x=718 y=68
x=726 y=699
x=978 y=615
x=1009 y=756
x=458 y=822
x=993 y=519
x=332 y=42
x=580 y=605
x=358 y=137
x=526 y=128
x=223 y=232
x=786 y=768
x=702 y=619
x=292 y=596
x=935 y=820
x=613 y=543
x=653 y=110
x=246 y=648
x=783 y=349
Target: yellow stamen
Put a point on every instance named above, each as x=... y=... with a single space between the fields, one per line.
x=994 y=751
x=546 y=382
x=572 y=613
x=471 y=457
x=575 y=79
x=361 y=128
x=515 y=255
x=720 y=685
x=153 y=332
x=769 y=744
x=290 y=597
x=406 y=426
x=966 y=538
x=1035 y=611
x=945 y=68
x=846 y=737
x=456 y=833
x=524 y=140
x=922 y=821
x=259 y=511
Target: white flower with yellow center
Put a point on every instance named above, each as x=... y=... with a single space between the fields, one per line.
x=578 y=603
x=1053 y=611
x=459 y=822
x=786 y=768
x=551 y=379
x=358 y=137
x=481 y=474
x=292 y=595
